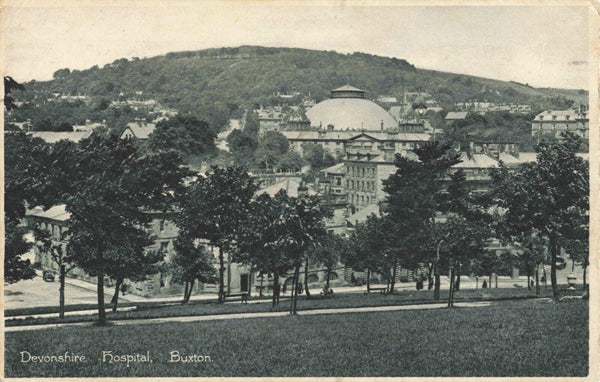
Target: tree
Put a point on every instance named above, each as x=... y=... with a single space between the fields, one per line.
x=415 y=196
x=367 y=248
x=242 y=146
x=550 y=195
x=271 y=148
x=111 y=188
x=276 y=235
x=213 y=208
x=24 y=184
x=191 y=262
x=185 y=134
x=292 y=161
x=329 y=252
x=10 y=86
x=60 y=256
x=316 y=156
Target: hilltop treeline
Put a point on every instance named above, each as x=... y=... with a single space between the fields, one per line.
x=216 y=84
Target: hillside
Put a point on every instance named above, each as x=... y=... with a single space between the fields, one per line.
x=216 y=84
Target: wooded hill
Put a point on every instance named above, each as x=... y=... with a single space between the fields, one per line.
x=215 y=84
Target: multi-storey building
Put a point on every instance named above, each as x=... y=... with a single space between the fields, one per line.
x=554 y=122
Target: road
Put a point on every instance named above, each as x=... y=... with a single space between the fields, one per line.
x=37 y=293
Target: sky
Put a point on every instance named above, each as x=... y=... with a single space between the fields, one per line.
x=545 y=46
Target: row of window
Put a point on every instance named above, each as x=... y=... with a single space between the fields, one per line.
x=360 y=199
x=362 y=171
x=361 y=185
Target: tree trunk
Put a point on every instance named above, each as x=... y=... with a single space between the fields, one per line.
x=327 y=280
x=306 y=279
x=528 y=283
x=115 y=298
x=189 y=291
x=368 y=280
x=436 y=291
x=490 y=281
x=537 y=279
x=393 y=278
x=451 y=288
x=295 y=289
x=457 y=283
x=275 y=289
x=185 y=292
x=554 y=254
x=101 y=311
x=429 y=278
x=61 y=289
x=221 y=276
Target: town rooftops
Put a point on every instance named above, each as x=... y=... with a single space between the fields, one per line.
x=58 y=213
x=456 y=115
x=55 y=136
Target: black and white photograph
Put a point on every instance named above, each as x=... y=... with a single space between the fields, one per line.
x=325 y=189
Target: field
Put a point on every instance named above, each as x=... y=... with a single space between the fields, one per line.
x=530 y=337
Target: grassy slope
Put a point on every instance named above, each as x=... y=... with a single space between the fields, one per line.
x=526 y=338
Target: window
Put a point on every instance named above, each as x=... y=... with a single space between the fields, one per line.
x=338 y=181
x=161 y=226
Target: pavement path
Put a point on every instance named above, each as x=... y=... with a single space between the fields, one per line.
x=216 y=317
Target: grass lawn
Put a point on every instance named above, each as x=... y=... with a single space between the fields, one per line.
x=508 y=338
x=348 y=300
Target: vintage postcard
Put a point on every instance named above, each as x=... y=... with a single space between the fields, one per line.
x=285 y=189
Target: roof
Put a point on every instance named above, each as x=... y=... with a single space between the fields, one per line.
x=560 y=115
x=509 y=159
x=476 y=161
x=339 y=168
x=140 y=130
x=362 y=214
x=350 y=114
x=452 y=115
x=289 y=185
x=55 y=136
x=347 y=88
x=57 y=212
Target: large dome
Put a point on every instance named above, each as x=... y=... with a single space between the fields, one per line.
x=348 y=109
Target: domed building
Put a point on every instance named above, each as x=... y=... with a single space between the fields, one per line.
x=348 y=109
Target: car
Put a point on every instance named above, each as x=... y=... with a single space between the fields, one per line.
x=48 y=276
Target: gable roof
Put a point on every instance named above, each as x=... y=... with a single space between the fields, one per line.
x=58 y=213
x=140 y=130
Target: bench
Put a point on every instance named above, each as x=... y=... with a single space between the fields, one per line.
x=243 y=295
x=382 y=290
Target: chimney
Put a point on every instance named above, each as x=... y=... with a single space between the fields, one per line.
x=382 y=125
